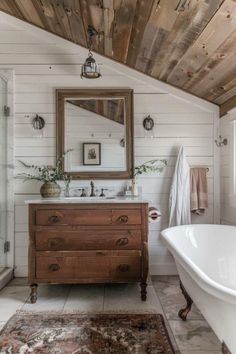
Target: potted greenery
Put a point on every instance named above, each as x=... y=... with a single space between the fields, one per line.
x=146 y=167
x=49 y=175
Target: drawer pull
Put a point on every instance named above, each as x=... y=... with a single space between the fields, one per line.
x=55 y=242
x=54 y=267
x=54 y=219
x=123 y=268
x=123 y=219
x=100 y=253
x=122 y=241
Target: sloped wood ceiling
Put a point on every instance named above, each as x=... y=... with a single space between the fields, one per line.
x=190 y=44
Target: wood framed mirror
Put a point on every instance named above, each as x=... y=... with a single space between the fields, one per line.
x=97 y=126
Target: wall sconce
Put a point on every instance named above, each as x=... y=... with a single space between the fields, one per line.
x=221 y=141
x=38 y=124
x=148 y=124
x=122 y=142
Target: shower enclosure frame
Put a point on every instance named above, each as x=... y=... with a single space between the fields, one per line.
x=7 y=75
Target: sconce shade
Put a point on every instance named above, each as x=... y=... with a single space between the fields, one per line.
x=38 y=122
x=148 y=123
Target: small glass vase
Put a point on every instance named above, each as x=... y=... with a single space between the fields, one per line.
x=134 y=187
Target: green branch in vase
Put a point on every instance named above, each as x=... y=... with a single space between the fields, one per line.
x=150 y=166
x=46 y=173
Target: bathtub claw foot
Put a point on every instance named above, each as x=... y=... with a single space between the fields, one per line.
x=33 y=293
x=183 y=313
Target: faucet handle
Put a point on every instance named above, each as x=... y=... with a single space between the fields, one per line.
x=83 y=194
x=102 y=194
x=92 y=193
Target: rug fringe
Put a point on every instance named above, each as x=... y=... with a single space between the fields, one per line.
x=78 y=312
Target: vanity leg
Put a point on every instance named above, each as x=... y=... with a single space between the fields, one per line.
x=184 y=312
x=33 y=293
x=143 y=286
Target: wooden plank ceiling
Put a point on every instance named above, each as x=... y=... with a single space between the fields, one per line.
x=190 y=44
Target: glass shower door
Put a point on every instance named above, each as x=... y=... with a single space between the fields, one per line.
x=3 y=173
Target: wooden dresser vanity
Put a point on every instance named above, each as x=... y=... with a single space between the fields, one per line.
x=87 y=242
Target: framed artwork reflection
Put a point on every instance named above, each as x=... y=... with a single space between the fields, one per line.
x=91 y=154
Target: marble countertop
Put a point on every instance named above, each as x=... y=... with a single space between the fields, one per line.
x=86 y=200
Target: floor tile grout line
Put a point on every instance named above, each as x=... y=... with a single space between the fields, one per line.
x=27 y=299
x=170 y=329
x=165 y=318
x=67 y=297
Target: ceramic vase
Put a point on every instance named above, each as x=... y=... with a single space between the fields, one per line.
x=134 y=187
x=50 y=190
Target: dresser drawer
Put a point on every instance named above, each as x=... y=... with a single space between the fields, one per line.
x=88 y=265
x=50 y=267
x=126 y=217
x=73 y=217
x=84 y=266
x=126 y=267
x=88 y=217
x=87 y=240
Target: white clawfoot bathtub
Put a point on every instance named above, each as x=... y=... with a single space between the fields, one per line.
x=205 y=257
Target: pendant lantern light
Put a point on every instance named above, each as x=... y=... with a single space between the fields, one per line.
x=90 y=69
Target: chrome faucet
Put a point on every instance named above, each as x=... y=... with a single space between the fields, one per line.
x=92 y=194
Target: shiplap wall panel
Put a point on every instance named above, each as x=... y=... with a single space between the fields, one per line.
x=228 y=212
x=40 y=67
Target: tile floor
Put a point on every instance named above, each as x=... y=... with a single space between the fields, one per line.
x=164 y=296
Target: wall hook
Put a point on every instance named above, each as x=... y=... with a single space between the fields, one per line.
x=221 y=141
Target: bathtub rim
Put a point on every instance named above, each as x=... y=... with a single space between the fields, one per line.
x=202 y=279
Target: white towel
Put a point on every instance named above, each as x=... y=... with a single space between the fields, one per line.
x=179 y=200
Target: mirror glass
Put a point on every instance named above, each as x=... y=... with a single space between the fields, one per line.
x=95 y=131
x=96 y=126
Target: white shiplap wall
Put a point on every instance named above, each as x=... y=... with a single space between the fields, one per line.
x=43 y=62
x=228 y=212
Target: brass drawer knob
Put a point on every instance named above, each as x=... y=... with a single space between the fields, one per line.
x=55 y=242
x=54 y=218
x=100 y=253
x=122 y=241
x=123 y=268
x=123 y=219
x=54 y=267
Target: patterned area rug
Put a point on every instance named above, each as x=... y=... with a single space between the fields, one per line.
x=85 y=334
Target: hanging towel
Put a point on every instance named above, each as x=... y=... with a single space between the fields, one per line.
x=198 y=195
x=179 y=200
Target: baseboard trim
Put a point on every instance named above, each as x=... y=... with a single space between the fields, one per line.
x=5 y=277
x=163 y=269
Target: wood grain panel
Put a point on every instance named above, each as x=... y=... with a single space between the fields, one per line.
x=90 y=266
x=73 y=217
x=87 y=240
x=178 y=42
x=227 y=106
